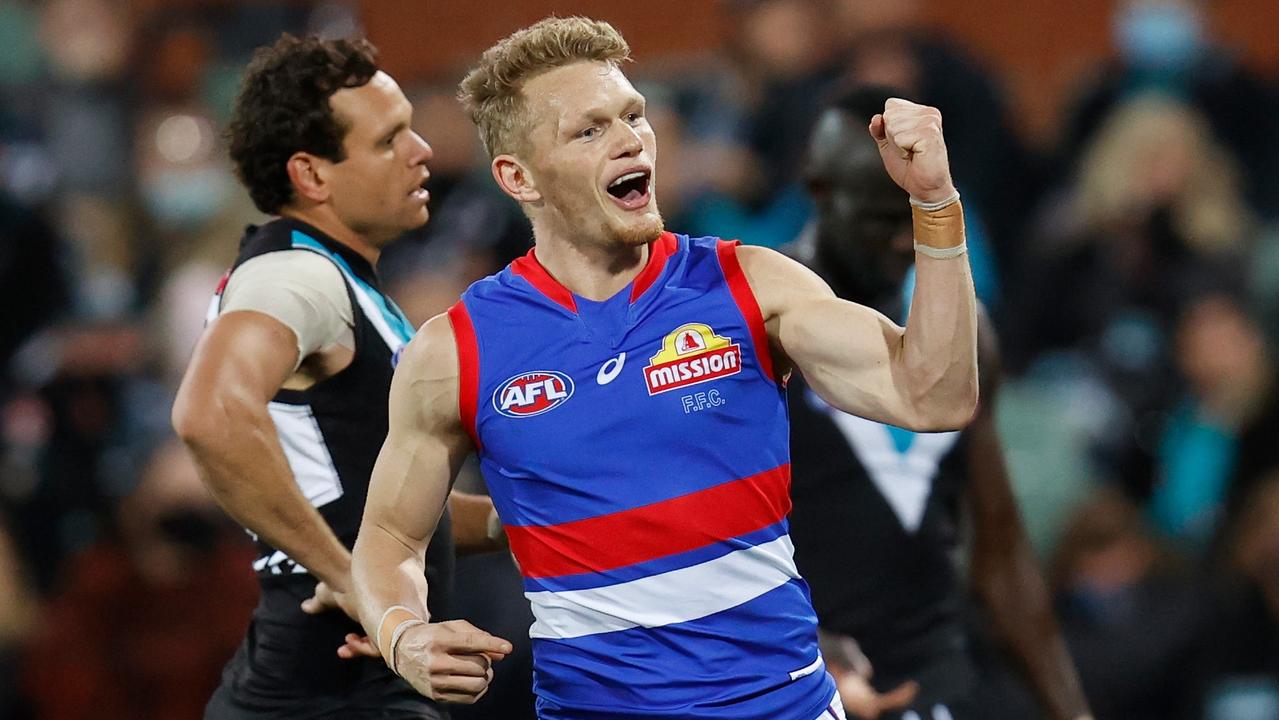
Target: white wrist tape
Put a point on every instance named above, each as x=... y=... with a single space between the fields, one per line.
x=387 y=614
x=930 y=207
x=941 y=253
x=396 y=634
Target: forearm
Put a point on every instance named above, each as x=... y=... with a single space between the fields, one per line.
x=476 y=528
x=939 y=345
x=386 y=574
x=246 y=471
x=1020 y=609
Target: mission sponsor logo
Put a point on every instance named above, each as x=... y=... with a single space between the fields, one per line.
x=692 y=354
x=532 y=393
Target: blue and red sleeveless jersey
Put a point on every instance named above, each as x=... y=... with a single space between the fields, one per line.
x=637 y=451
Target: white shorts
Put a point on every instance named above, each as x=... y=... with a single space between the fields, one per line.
x=835 y=711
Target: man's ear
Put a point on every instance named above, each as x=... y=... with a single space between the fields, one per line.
x=308 y=173
x=515 y=179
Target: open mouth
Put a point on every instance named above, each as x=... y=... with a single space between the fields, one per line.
x=631 y=190
x=420 y=192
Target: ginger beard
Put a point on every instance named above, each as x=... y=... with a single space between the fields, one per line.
x=593 y=156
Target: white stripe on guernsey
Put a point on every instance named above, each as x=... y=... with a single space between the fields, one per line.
x=308 y=456
x=214 y=308
x=374 y=314
x=807 y=670
x=277 y=559
x=672 y=597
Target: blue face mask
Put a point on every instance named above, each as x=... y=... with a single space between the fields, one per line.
x=1159 y=35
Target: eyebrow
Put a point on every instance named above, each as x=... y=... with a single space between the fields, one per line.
x=596 y=112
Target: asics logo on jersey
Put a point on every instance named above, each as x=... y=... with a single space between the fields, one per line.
x=532 y=393
x=610 y=370
x=692 y=354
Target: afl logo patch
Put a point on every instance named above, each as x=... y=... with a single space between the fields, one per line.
x=532 y=393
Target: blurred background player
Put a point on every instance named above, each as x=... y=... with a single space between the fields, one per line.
x=284 y=403
x=893 y=499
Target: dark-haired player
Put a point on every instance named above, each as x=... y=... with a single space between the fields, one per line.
x=284 y=405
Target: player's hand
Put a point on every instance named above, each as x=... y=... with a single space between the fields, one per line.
x=914 y=152
x=326 y=599
x=861 y=700
x=449 y=661
x=355 y=645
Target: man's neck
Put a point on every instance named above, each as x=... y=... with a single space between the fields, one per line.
x=323 y=219
x=595 y=272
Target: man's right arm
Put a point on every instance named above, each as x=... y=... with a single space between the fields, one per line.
x=425 y=446
x=220 y=412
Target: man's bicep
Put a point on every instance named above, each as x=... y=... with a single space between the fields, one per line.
x=846 y=354
x=805 y=320
x=242 y=352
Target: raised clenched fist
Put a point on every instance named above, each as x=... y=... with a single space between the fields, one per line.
x=913 y=149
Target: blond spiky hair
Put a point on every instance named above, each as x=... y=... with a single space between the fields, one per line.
x=493 y=91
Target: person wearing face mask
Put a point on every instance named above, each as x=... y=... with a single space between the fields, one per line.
x=1164 y=47
x=893 y=499
x=284 y=404
x=624 y=388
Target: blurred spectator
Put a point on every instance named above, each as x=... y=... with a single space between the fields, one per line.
x=33 y=283
x=1241 y=668
x=17 y=618
x=1129 y=619
x=146 y=618
x=1165 y=46
x=86 y=100
x=1154 y=213
x=1219 y=440
x=70 y=438
x=746 y=119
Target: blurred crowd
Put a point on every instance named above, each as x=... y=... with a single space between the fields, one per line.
x=1132 y=268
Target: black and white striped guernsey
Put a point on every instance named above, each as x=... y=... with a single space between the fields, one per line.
x=331 y=433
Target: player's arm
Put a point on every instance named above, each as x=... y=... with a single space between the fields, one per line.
x=1005 y=574
x=476 y=527
x=923 y=376
x=220 y=412
x=411 y=481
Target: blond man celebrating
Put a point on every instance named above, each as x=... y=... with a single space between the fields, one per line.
x=624 y=388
